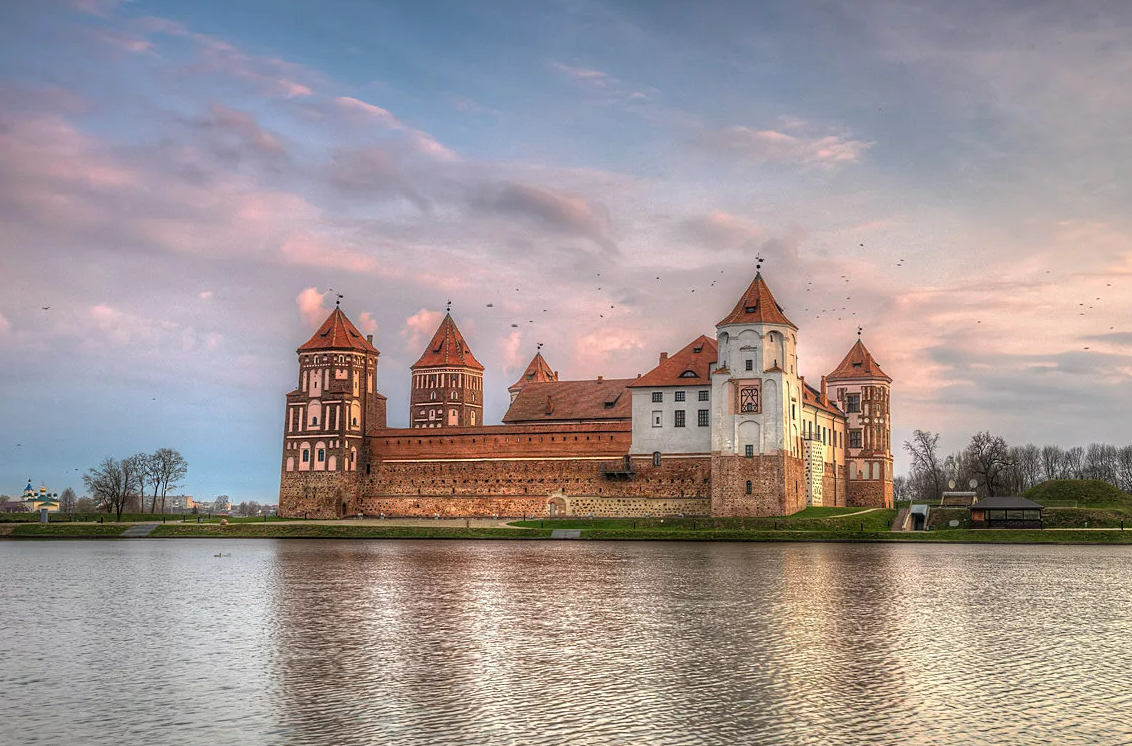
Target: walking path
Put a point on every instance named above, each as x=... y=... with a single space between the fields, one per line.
x=138 y=530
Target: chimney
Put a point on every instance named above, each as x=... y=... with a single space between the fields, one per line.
x=663 y=357
x=638 y=375
x=824 y=392
x=600 y=379
x=369 y=338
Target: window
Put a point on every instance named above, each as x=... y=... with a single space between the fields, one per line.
x=656 y=458
x=355 y=422
x=853 y=403
x=702 y=418
x=679 y=418
x=657 y=396
x=749 y=365
x=854 y=438
x=679 y=396
x=306 y=456
x=321 y=455
x=703 y=396
x=749 y=451
x=749 y=400
x=657 y=418
x=749 y=485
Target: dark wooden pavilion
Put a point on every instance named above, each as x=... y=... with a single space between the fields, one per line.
x=1006 y=512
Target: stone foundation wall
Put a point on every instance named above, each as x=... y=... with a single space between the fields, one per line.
x=674 y=478
x=834 y=489
x=730 y=475
x=535 y=506
x=319 y=494
x=866 y=493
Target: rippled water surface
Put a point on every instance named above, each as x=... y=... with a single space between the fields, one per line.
x=458 y=642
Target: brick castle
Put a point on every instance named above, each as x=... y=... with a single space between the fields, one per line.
x=724 y=427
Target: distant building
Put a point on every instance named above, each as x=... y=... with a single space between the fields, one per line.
x=34 y=499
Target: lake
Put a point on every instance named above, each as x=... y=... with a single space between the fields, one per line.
x=499 y=642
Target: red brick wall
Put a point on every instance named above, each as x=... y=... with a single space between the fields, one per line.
x=729 y=482
x=834 y=490
x=503 y=441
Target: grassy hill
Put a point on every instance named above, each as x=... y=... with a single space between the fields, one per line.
x=1085 y=493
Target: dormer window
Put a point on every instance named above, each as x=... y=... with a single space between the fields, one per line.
x=752 y=309
x=689 y=374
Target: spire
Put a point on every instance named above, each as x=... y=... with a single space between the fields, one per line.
x=448 y=349
x=859 y=363
x=337 y=333
x=757 y=306
x=538 y=371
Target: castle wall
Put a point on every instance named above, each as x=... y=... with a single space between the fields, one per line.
x=592 y=440
x=870 y=493
x=319 y=494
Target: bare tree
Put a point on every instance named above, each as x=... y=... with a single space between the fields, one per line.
x=113 y=483
x=1052 y=457
x=1124 y=469
x=149 y=465
x=990 y=460
x=927 y=470
x=901 y=489
x=1072 y=462
x=67 y=501
x=1100 y=462
x=84 y=505
x=171 y=467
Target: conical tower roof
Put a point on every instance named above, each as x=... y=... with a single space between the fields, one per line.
x=859 y=363
x=538 y=371
x=757 y=306
x=448 y=349
x=337 y=333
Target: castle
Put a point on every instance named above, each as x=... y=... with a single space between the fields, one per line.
x=724 y=427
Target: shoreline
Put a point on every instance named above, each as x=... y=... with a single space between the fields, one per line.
x=379 y=531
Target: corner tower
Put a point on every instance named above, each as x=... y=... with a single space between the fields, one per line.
x=756 y=410
x=538 y=371
x=862 y=389
x=335 y=405
x=447 y=386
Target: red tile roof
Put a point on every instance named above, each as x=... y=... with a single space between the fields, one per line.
x=537 y=372
x=757 y=306
x=688 y=367
x=549 y=401
x=448 y=349
x=337 y=333
x=859 y=363
x=812 y=396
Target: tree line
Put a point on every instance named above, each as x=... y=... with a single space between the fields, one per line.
x=1002 y=469
x=116 y=483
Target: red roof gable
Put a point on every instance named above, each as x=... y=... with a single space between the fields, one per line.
x=537 y=372
x=757 y=306
x=603 y=399
x=337 y=333
x=448 y=349
x=812 y=396
x=859 y=363
x=688 y=367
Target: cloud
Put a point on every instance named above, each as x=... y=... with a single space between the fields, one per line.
x=309 y=302
x=721 y=230
x=5 y=325
x=367 y=323
x=374 y=172
x=774 y=146
x=511 y=349
x=585 y=75
x=206 y=295
x=238 y=131
x=421 y=142
x=420 y=327
x=570 y=214
x=101 y=8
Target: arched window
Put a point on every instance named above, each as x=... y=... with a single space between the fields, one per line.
x=749 y=485
x=306 y=456
x=656 y=458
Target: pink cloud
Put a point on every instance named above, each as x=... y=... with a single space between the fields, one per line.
x=422 y=142
x=309 y=302
x=419 y=328
x=770 y=145
x=367 y=323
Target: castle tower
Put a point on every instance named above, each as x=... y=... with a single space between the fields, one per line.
x=862 y=390
x=538 y=371
x=447 y=388
x=336 y=403
x=756 y=410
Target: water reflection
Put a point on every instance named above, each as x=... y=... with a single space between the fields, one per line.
x=413 y=642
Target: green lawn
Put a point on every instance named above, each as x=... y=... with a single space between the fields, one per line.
x=810 y=519
x=73 y=530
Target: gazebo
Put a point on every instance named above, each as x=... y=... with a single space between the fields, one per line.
x=1006 y=512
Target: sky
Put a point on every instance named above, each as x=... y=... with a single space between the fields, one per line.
x=186 y=188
